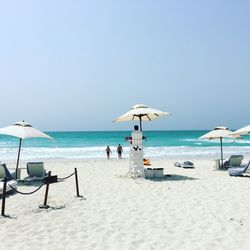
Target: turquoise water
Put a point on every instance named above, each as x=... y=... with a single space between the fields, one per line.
x=92 y=144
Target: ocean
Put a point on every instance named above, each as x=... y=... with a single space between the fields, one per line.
x=92 y=144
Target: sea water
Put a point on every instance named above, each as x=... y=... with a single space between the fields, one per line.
x=92 y=144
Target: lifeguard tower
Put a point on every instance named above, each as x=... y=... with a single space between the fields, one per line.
x=136 y=166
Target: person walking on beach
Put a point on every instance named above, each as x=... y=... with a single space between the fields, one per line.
x=108 y=151
x=119 y=151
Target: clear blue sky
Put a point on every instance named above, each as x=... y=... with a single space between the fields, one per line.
x=77 y=65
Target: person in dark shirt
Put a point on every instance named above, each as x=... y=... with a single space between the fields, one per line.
x=108 y=152
x=119 y=151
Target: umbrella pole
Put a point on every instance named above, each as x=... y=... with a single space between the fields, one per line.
x=18 y=156
x=140 y=124
x=221 y=152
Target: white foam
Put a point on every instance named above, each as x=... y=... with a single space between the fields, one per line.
x=99 y=152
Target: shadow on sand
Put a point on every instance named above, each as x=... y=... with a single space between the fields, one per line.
x=242 y=176
x=173 y=177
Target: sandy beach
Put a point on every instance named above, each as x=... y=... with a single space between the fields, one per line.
x=192 y=209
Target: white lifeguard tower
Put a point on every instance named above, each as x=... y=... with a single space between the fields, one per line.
x=138 y=112
x=136 y=166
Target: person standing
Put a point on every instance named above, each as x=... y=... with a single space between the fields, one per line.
x=119 y=151
x=108 y=152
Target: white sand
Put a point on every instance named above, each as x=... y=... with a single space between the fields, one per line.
x=193 y=209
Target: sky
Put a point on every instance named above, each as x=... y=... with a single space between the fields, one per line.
x=76 y=65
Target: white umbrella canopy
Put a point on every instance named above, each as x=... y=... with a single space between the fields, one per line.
x=219 y=132
x=242 y=131
x=22 y=130
x=141 y=112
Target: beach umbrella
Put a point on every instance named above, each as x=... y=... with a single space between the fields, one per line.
x=22 y=130
x=242 y=131
x=140 y=112
x=219 y=133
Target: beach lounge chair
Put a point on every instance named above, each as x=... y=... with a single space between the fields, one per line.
x=5 y=173
x=234 y=161
x=238 y=171
x=185 y=164
x=36 y=171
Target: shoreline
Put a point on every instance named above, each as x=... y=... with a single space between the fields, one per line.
x=95 y=153
x=154 y=158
